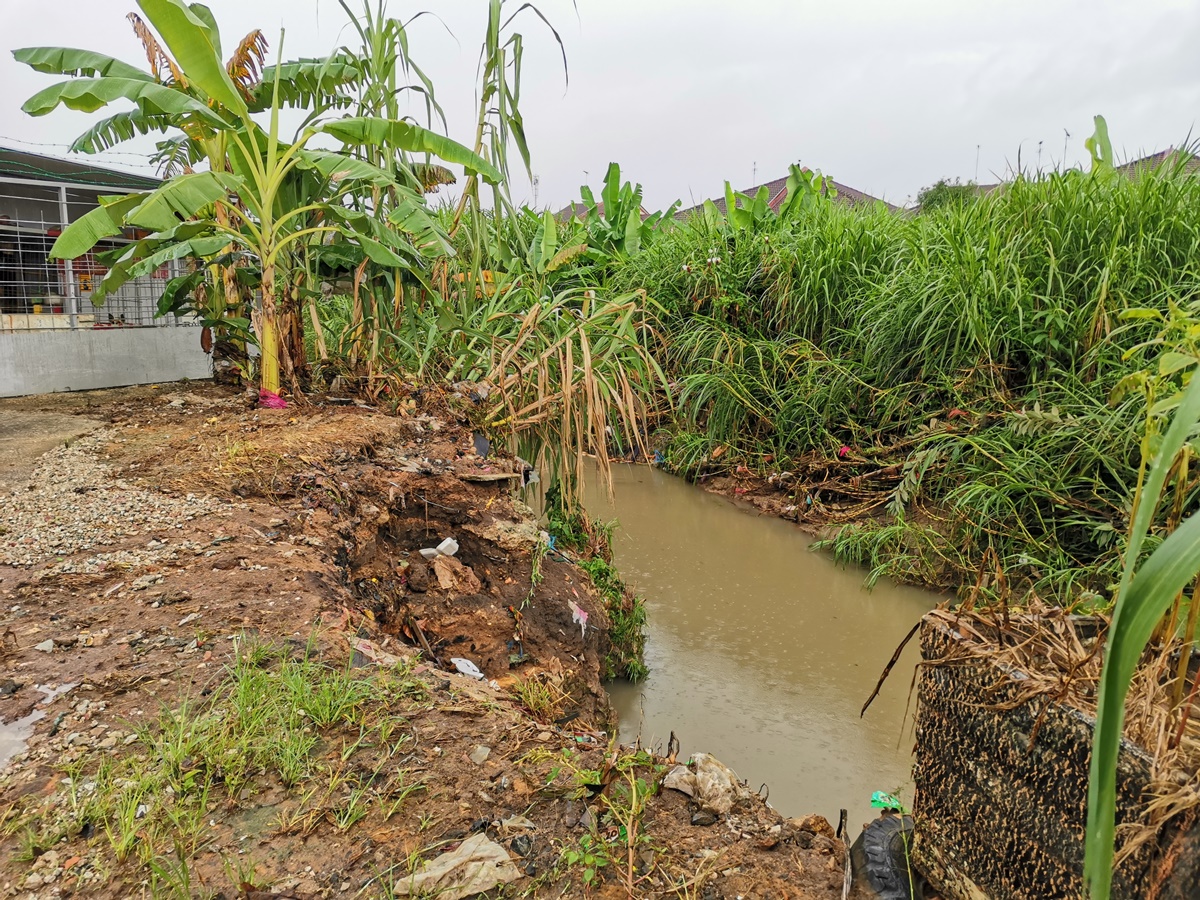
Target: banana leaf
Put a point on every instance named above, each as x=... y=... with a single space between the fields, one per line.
x=545 y=243
x=411 y=217
x=130 y=267
x=106 y=220
x=307 y=83
x=181 y=198
x=91 y=94
x=121 y=127
x=177 y=295
x=68 y=61
x=209 y=21
x=409 y=137
x=380 y=254
x=195 y=44
x=338 y=167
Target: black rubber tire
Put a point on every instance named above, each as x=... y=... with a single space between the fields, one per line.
x=879 y=861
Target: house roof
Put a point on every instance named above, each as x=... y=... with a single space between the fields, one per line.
x=777 y=191
x=1189 y=163
x=37 y=167
x=1172 y=155
x=579 y=210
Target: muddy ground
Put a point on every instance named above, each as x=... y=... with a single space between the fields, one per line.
x=234 y=668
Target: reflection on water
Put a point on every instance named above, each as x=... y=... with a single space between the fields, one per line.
x=761 y=652
x=13 y=735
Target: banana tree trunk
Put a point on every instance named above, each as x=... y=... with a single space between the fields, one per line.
x=291 y=323
x=269 y=334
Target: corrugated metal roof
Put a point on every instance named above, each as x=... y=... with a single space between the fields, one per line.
x=38 y=167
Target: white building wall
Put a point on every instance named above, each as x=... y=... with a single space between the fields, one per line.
x=43 y=362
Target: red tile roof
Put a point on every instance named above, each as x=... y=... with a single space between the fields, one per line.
x=1189 y=162
x=579 y=210
x=777 y=190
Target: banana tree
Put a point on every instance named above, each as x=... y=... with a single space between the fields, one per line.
x=550 y=259
x=98 y=79
x=618 y=226
x=805 y=190
x=168 y=100
x=204 y=214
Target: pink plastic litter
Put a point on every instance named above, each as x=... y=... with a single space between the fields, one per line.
x=271 y=400
x=579 y=616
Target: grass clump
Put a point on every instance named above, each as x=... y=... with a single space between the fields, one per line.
x=627 y=618
x=617 y=839
x=543 y=695
x=573 y=530
x=272 y=721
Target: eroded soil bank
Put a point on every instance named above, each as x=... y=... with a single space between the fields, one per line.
x=243 y=669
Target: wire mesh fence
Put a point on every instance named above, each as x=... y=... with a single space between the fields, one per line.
x=37 y=292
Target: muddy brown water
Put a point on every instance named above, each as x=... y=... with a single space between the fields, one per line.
x=760 y=650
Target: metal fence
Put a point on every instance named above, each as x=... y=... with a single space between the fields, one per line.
x=37 y=292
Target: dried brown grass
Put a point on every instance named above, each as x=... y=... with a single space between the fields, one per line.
x=1042 y=652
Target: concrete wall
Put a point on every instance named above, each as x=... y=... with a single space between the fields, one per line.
x=41 y=362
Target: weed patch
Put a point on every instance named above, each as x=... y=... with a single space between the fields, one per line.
x=573 y=530
x=269 y=724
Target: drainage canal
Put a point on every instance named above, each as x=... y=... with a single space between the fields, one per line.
x=761 y=651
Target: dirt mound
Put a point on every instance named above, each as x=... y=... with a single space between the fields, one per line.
x=262 y=694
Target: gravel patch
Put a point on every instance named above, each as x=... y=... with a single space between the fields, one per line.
x=157 y=553
x=74 y=502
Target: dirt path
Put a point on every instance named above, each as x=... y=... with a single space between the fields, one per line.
x=239 y=673
x=25 y=435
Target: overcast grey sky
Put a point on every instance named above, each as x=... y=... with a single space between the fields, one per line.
x=884 y=95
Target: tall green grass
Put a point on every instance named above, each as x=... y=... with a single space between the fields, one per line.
x=973 y=348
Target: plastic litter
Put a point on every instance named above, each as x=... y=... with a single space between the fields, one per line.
x=448 y=547
x=579 y=616
x=884 y=800
x=516 y=823
x=271 y=400
x=478 y=864
x=529 y=475
x=709 y=782
x=466 y=667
